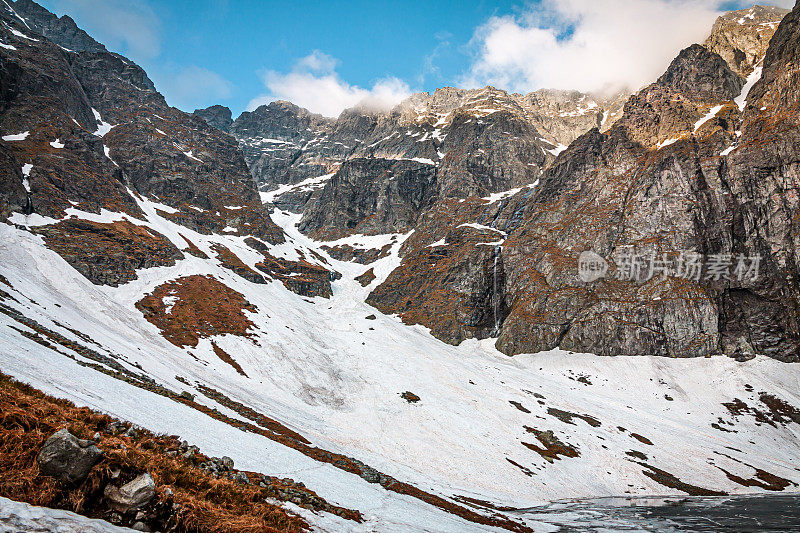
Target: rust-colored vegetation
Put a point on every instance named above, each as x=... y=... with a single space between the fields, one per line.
x=225 y=356
x=190 y=308
x=301 y=277
x=552 y=447
x=187 y=498
x=232 y=262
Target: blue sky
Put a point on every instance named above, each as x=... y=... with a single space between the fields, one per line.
x=330 y=54
x=239 y=40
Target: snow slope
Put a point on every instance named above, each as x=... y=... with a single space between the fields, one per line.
x=326 y=370
x=17 y=517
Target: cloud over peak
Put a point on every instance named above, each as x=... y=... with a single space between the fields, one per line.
x=596 y=45
x=315 y=85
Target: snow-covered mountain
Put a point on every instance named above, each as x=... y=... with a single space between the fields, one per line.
x=295 y=322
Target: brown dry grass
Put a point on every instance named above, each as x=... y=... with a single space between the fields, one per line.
x=205 y=307
x=204 y=503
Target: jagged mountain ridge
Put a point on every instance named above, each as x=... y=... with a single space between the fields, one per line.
x=675 y=173
x=286 y=144
x=699 y=95
x=741 y=37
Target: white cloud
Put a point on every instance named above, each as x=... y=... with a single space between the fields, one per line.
x=315 y=85
x=589 y=45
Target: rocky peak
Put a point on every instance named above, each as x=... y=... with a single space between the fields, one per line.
x=696 y=82
x=701 y=75
x=61 y=30
x=742 y=37
x=97 y=135
x=217 y=116
x=566 y=115
x=279 y=119
x=778 y=82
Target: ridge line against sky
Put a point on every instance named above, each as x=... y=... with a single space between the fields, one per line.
x=330 y=56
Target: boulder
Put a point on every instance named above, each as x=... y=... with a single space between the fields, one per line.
x=67 y=457
x=131 y=496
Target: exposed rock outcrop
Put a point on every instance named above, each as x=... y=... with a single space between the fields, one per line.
x=681 y=172
x=67 y=457
x=216 y=116
x=132 y=495
x=742 y=37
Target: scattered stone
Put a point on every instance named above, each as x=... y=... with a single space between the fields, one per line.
x=115 y=428
x=186 y=395
x=67 y=457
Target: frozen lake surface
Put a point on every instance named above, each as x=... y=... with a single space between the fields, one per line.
x=770 y=513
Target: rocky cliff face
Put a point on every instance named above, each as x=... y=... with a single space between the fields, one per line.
x=87 y=141
x=217 y=116
x=474 y=142
x=682 y=172
x=741 y=37
x=60 y=30
x=284 y=144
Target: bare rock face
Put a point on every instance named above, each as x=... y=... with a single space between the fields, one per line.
x=217 y=116
x=63 y=31
x=477 y=141
x=133 y=495
x=763 y=173
x=67 y=457
x=99 y=134
x=371 y=196
x=669 y=108
x=283 y=143
x=742 y=37
x=682 y=171
x=566 y=115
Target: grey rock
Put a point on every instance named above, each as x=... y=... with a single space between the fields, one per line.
x=61 y=30
x=216 y=116
x=67 y=457
x=133 y=495
x=371 y=196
